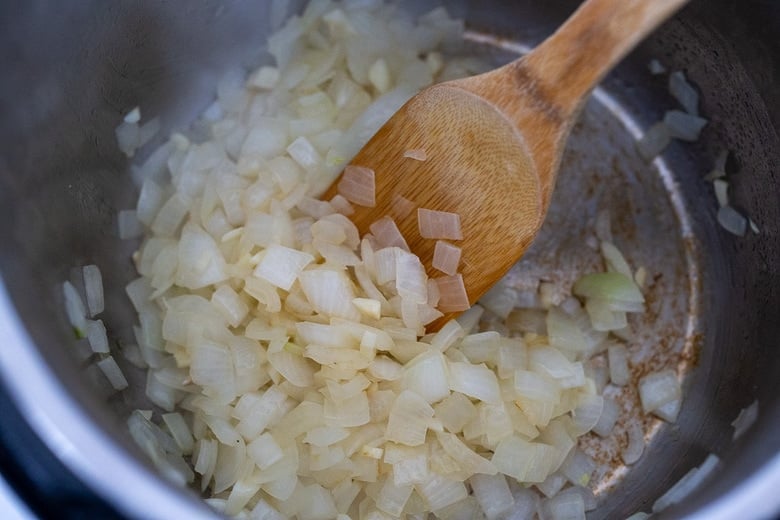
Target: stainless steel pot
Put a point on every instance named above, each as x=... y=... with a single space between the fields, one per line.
x=71 y=69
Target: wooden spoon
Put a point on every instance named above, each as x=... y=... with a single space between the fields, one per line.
x=494 y=141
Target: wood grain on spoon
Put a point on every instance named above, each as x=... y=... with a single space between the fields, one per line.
x=494 y=141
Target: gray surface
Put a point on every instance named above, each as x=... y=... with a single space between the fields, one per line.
x=73 y=68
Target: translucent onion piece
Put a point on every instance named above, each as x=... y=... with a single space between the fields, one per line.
x=330 y=293
x=655 y=67
x=683 y=91
x=654 y=141
x=357 y=185
x=669 y=411
x=476 y=381
x=113 y=373
x=688 y=483
x=439 y=224
x=618 y=365
x=684 y=126
x=439 y=491
x=387 y=234
x=453 y=296
x=74 y=308
x=658 y=388
x=746 y=418
x=93 y=288
x=614 y=287
x=427 y=375
x=410 y=279
x=493 y=494
x=455 y=412
x=636 y=444
x=96 y=335
x=418 y=154
x=281 y=265
x=522 y=460
x=393 y=498
x=732 y=221
x=608 y=418
x=567 y=506
x=446 y=257
x=721 y=188
x=409 y=419
x=470 y=462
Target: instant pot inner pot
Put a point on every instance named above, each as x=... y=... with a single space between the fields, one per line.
x=76 y=67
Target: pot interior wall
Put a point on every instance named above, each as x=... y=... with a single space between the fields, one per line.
x=62 y=180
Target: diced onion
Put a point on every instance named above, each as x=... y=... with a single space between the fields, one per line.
x=439 y=224
x=732 y=221
x=682 y=125
x=683 y=91
x=387 y=234
x=113 y=373
x=636 y=444
x=418 y=154
x=453 y=296
x=746 y=418
x=688 y=483
x=446 y=257
x=357 y=185
x=654 y=141
x=658 y=388
x=618 y=365
x=74 y=307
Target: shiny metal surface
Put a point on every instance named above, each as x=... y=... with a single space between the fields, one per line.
x=73 y=68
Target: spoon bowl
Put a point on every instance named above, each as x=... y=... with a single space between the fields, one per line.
x=493 y=142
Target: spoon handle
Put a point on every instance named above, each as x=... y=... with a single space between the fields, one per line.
x=589 y=44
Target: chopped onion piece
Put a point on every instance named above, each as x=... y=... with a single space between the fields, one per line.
x=587 y=414
x=608 y=418
x=732 y=221
x=281 y=265
x=428 y=376
x=439 y=491
x=684 y=126
x=439 y=224
x=613 y=287
x=387 y=234
x=446 y=257
x=658 y=388
x=476 y=381
x=493 y=494
x=655 y=67
x=409 y=419
x=618 y=365
x=688 y=483
x=683 y=91
x=304 y=153
x=522 y=460
x=469 y=461
x=636 y=444
x=330 y=293
x=74 y=308
x=96 y=335
x=669 y=411
x=455 y=411
x=113 y=373
x=453 y=296
x=569 y=506
x=357 y=185
x=392 y=498
x=654 y=141
x=746 y=418
x=418 y=154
